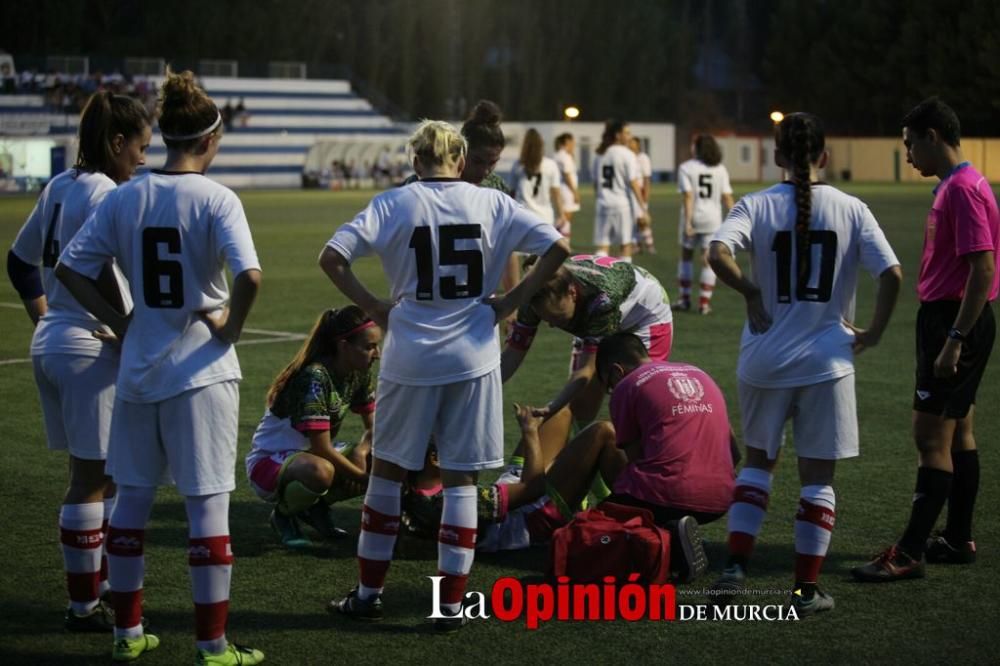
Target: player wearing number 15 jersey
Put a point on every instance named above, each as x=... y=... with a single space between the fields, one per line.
x=173 y=232
x=806 y=241
x=443 y=245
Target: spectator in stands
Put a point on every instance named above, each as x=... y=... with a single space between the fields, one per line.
x=241 y=117
x=227 y=115
x=9 y=80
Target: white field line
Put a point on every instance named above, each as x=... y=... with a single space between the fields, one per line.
x=275 y=336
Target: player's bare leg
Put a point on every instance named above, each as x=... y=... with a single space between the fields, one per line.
x=684 y=277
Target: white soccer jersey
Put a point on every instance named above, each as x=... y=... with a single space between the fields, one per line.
x=708 y=184
x=645 y=165
x=613 y=173
x=567 y=167
x=807 y=342
x=172 y=234
x=535 y=191
x=443 y=245
x=62 y=208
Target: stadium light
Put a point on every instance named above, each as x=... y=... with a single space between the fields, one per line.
x=777 y=117
x=571 y=113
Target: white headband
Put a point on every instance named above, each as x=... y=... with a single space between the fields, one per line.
x=197 y=135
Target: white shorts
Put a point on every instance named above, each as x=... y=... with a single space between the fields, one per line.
x=78 y=397
x=465 y=418
x=569 y=204
x=613 y=226
x=188 y=440
x=824 y=418
x=701 y=240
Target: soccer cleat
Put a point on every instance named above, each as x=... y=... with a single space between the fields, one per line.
x=940 y=551
x=235 y=655
x=130 y=649
x=689 y=539
x=705 y=309
x=891 y=564
x=288 y=530
x=729 y=585
x=100 y=620
x=450 y=624
x=682 y=305
x=320 y=518
x=353 y=606
x=818 y=602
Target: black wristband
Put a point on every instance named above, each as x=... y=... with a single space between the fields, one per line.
x=956 y=334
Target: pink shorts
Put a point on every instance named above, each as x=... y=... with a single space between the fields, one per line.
x=263 y=470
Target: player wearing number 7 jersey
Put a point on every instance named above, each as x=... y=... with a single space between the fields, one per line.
x=173 y=232
x=443 y=245
x=806 y=242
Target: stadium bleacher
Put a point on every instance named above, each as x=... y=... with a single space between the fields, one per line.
x=284 y=119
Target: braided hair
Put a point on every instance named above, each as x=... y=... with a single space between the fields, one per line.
x=800 y=140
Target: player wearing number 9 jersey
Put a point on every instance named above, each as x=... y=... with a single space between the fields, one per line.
x=443 y=245
x=174 y=231
x=806 y=242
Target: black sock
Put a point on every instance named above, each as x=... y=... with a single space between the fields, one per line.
x=962 y=501
x=933 y=488
x=807 y=589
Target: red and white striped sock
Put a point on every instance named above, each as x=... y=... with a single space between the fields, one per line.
x=684 y=273
x=82 y=539
x=707 y=286
x=103 y=584
x=813 y=529
x=126 y=564
x=210 y=558
x=379 y=527
x=456 y=545
x=746 y=514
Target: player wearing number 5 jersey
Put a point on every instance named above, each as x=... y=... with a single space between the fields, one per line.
x=704 y=186
x=173 y=232
x=806 y=241
x=443 y=245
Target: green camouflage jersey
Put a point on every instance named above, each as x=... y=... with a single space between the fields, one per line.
x=492 y=182
x=313 y=400
x=616 y=296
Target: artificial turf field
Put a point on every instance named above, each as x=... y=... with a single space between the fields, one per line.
x=278 y=597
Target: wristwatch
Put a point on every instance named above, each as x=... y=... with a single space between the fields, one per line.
x=956 y=334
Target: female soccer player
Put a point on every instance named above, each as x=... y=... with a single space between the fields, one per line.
x=74 y=370
x=619 y=189
x=535 y=179
x=703 y=182
x=443 y=244
x=565 y=149
x=296 y=461
x=643 y=232
x=592 y=297
x=173 y=231
x=806 y=242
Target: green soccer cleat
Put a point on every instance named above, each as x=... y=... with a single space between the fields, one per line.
x=235 y=655
x=130 y=649
x=288 y=530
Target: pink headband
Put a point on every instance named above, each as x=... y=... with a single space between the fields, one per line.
x=357 y=329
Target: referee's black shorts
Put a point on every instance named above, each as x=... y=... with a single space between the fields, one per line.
x=950 y=397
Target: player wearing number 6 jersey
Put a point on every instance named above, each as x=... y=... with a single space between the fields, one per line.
x=74 y=370
x=173 y=232
x=806 y=241
x=443 y=245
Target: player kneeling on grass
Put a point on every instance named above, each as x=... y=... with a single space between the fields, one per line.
x=443 y=245
x=295 y=461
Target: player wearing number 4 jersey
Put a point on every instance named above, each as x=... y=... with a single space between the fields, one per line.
x=806 y=242
x=74 y=370
x=173 y=231
x=443 y=245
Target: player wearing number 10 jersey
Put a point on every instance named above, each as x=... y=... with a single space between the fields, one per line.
x=443 y=245
x=176 y=414
x=806 y=242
